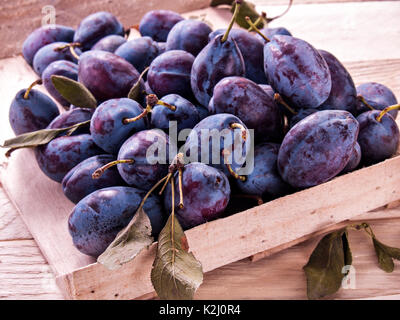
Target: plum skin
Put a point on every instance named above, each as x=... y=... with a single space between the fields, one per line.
x=34 y=113
x=206 y=193
x=96 y=220
x=78 y=182
x=317 y=148
x=378 y=140
x=158 y=23
x=109 y=43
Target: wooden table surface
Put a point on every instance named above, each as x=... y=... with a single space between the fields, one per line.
x=366 y=37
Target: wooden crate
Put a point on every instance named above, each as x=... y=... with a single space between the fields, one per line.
x=256 y=232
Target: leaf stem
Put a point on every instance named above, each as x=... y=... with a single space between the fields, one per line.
x=235 y=13
x=386 y=110
x=34 y=83
x=168 y=177
x=180 y=172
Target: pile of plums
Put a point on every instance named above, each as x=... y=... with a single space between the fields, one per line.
x=298 y=115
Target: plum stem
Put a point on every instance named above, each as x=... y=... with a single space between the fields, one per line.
x=278 y=98
x=386 y=110
x=100 y=171
x=253 y=26
x=180 y=172
x=236 y=125
x=362 y=99
x=262 y=17
x=235 y=14
x=250 y=196
x=34 y=83
x=138 y=117
x=71 y=47
x=226 y=154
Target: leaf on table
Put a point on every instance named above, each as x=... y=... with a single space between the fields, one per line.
x=247 y=9
x=134 y=93
x=37 y=138
x=176 y=273
x=129 y=242
x=74 y=92
x=385 y=255
x=324 y=270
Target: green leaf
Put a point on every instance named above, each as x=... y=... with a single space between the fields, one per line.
x=325 y=265
x=215 y=3
x=176 y=273
x=135 y=90
x=385 y=255
x=37 y=138
x=74 y=92
x=247 y=9
x=129 y=242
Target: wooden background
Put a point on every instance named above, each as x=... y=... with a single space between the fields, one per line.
x=364 y=35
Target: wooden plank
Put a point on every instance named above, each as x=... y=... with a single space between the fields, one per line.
x=24 y=274
x=22 y=17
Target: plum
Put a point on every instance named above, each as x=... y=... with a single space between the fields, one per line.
x=49 y=54
x=248 y=101
x=270 y=32
x=33 y=113
x=188 y=35
x=355 y=159
x=139 y=52
x=96 y=220
x=378 y=139
x=45 y=35
x=265 y=179
x=95 y=27
x=300 y=115
x=106 y=75
x=108 y=129
x=343 y=92
x=158 y=23
x=71 y=117
x=147 y=169
x=186 y=114
x=61 y=154
x=377 y=95
x=170 y=72
x=109 y=43
x=317 y=148
x=297 y=71
x=206 y=193
x=78 y=182
x=62 y=68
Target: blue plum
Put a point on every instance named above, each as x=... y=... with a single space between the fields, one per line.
x=170 y=72
x=71 y=117
x=61 y=154
x=216 y=61
x=108 y=129
x=317 y=148
x=33 y=113
x=147 y=169
x=95 y=27
x=185 y=114
x=265 y=179
x=45 y=35
x=106 y=75
x=378 y=96
x=343 y=95
x=78 y=182
x=251 y=49
x=248 y=101
x=300 y=115
x=379 y=140
x=157 y=24
x=355 y=159
x=213 y=135
x=297 y=71
x=109 y=43
x=49 y=54
x=96 y=219
x=188 y=35
x=162 y=47
x=139 y=52
x=206 y=193
x=61 y=68
x=203 y=112
x=270 y=32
